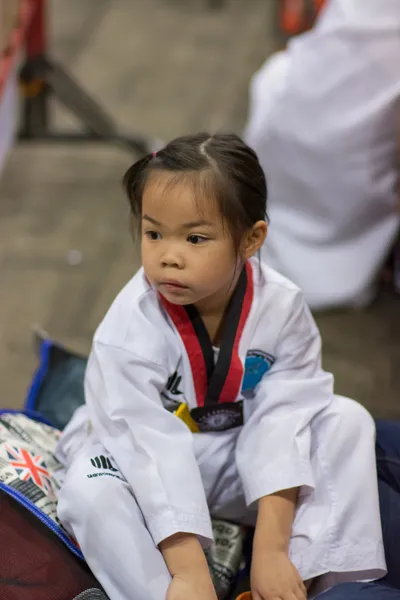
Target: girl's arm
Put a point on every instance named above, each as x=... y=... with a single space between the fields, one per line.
x=273 y=450
x=272 y=573
x=152 y=447
x=274 y=522
x=183 y=555
x=188 y=566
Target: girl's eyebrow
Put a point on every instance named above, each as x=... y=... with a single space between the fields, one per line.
x=189 y=225
x=151 y=220
x=200 y=223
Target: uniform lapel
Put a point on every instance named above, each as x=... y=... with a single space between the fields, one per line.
x=215 y=383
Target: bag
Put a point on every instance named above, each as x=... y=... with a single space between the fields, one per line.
x=40 y=560
x=35 y=564
x=56 y=390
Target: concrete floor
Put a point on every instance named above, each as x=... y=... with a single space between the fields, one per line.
x=163 y=67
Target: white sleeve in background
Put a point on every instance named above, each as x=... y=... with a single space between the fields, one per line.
x=273 y=451
x=272 y=77
x=152 y=448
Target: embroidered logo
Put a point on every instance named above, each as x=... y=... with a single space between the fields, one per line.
x=256 y=365
x=218 y=417
x=30 y=466
x=173 y=384
x=172 y=392
x=102 y=462
x=105 y=466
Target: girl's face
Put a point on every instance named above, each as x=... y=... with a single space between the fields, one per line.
x=187 y=253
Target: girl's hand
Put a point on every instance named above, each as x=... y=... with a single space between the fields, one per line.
x=273 y=577
x=192 y=586
x=186 y=561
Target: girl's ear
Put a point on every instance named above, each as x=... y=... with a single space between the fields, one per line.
x=254 y=239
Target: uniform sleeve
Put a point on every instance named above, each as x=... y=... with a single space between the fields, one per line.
x=265 y=89
x=273 y=450
x=152 y=447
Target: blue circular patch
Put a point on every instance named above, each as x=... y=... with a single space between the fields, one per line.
x=256 y=365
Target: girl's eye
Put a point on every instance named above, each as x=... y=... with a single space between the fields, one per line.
x=197 y=239
x=153 y=235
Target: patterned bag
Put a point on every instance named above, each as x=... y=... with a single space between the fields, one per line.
x=41 y=561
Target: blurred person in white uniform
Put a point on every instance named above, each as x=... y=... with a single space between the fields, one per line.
x=323 y=119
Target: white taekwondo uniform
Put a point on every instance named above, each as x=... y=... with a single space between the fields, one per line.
x=323 y=119
x=267 y=420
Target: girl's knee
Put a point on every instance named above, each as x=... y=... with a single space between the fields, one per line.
x=88 y=495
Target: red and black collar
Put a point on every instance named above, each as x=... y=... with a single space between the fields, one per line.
x=215 y=383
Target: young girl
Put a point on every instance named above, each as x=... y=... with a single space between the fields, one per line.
x=205 y=396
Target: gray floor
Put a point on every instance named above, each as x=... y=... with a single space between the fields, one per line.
x=163 y=67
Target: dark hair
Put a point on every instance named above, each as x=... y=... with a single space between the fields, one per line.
x=223 y=161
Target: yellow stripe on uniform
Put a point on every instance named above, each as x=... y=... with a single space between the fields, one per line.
x=183 y=413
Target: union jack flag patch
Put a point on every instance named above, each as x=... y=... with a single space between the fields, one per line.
x=30 y=466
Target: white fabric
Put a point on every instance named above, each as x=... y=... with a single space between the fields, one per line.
x=296 y=433
x=323 y=119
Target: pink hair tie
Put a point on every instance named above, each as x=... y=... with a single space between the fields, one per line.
x=154 y=154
